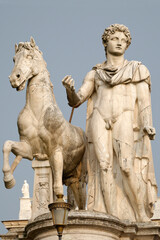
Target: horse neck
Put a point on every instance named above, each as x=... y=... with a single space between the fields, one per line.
x=40 y=94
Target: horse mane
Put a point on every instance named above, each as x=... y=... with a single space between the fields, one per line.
x=28 y=46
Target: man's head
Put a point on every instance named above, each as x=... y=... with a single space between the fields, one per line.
x=111 y=30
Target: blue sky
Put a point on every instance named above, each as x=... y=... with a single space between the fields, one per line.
x=69 y=35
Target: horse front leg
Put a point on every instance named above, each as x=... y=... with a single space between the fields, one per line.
x=21 y=150
x=56 y=162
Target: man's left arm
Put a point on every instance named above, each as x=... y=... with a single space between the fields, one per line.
x=144 y=105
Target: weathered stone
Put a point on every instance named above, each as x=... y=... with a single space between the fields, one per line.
x=44 y=133
x=119 y=129
x=90 y=226
x=25 y=203
x=43 y=187
x=15 y=229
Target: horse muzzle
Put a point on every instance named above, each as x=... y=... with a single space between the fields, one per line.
x=17 y=82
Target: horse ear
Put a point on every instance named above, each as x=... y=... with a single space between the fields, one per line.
x=16 y=48
x=33 y=43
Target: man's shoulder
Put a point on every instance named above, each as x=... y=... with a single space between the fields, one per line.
x=144 y=69
x=139 y=65
x=140 y=72
x=97 y=66
x=90 y=76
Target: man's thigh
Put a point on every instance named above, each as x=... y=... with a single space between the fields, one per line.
x=123 y=140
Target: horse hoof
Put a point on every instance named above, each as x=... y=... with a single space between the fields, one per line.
x=10 y=184
x=9 y=181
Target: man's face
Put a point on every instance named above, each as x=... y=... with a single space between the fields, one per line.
x=117 y=44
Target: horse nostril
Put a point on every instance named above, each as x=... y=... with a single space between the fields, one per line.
x=18 y=75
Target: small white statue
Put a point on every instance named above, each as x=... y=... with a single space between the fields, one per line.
x=25 y=189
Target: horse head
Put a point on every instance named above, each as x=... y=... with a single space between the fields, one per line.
x=28 y=62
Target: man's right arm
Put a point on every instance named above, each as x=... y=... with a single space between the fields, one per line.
x=85 y=91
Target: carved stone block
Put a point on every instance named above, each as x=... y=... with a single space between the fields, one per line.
x=42 y=192
x=92 y=226
x=25 y=208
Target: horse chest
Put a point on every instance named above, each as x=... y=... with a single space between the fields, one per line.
x=27 y=124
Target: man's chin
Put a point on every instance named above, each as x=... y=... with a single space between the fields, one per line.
x=118 y=53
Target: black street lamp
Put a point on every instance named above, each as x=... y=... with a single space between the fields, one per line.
x=59 y=210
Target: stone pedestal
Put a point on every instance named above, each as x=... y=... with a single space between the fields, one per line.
x=15 y=229
x=85 y=225
x=157 y=210
x=82 y=225
x=25 y=208
x=42 y=192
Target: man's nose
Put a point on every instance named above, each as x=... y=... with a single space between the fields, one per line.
x=119 y=43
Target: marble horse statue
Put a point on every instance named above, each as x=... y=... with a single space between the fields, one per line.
x=44 y=132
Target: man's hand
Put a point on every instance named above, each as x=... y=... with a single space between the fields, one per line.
x=72 y=96
x=68 y=83
x=151 y=132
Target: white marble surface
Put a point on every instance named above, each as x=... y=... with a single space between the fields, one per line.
x=121 y=179
x=25 y=203
x=44 y=132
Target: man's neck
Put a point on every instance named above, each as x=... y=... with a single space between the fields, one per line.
x=114 y=61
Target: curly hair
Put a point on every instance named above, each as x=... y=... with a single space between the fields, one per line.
x=116 y=28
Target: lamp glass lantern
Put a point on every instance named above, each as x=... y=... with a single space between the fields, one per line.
x=59 y=210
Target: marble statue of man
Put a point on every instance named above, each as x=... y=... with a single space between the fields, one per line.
x=25 y=189
x=119 y=129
